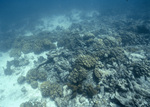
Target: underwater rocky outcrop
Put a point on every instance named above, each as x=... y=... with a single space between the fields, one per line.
x=90 y=67
x=93 y=67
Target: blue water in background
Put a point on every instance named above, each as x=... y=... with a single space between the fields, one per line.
x=18 y=11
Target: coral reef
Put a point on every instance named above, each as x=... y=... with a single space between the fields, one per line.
x=34 y=84
x=42 y=76
x=103 y=64
x=139 y=70
x=45 y=89
x=86 y=61
x=91 y=91
x=32 y=104
x=32 y=75
x=87 y=90
x=75 y=89
x=78 y=75
x=31 y=44
x=97 y=74
x=73 y=41
x=51 y=90
x=36 y=74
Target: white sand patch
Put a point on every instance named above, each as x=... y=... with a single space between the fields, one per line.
x=50 y=23
x=10 y=91
x=92 y=13
x=64 y=21
x=28 y=33
x=3 y=61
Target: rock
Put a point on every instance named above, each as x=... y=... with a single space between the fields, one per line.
x=8 y=71
x=23 y=62
x=23 y=89
x=42 y=75
x=32 y=104
x=34 y=84
x=82 y=99
x=32 y=75
x=21 y=80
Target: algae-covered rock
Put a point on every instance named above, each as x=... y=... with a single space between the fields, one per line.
x=51 y=90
